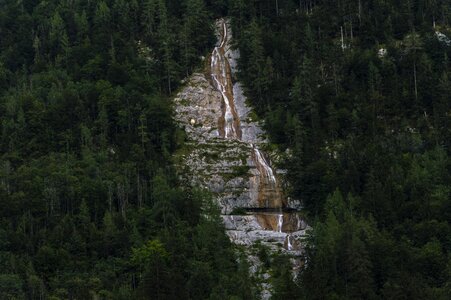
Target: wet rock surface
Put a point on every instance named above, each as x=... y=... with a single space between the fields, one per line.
x=228 y=160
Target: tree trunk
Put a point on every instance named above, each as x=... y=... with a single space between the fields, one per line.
x=415 y=79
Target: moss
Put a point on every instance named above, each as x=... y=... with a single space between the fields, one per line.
x=241 y=171
x=212 y=157
x=236 y=171
x=184 y=102
x=243 y=159
x=180 y=137
x=182 y=152
x=263 y=255
x=252 y=117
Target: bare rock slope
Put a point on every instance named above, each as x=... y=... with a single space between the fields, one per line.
x=224 y=154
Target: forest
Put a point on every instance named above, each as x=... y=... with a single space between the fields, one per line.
x=90 y=205
x=357 y=94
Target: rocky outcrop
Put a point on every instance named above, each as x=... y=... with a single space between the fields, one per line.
x=198 y=108
x=224 y=154
x=277 y=231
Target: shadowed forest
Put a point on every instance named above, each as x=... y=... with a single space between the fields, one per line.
x=356 y=94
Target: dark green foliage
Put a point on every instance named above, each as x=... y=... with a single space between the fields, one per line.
x=282 y=279
x=90 y=207
x=370 y=124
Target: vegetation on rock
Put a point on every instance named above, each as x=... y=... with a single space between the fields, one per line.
x=358 y=94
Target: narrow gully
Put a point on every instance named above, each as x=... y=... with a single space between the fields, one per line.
x=270 y=196
x=229 y=125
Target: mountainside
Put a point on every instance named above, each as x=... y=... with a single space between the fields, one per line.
x=90 y=206
x=358 y=93
x=225 y=149
x=223 y=154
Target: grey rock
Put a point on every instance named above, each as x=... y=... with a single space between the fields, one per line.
x=227 y=168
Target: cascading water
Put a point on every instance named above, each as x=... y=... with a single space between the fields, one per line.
x=234 y=168
x=280 y=223
x=289 y=245
x=263 y=165
x=267 y=194
x=270 y=195
x=222 y=80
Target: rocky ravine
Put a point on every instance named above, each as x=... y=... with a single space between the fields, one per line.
x=223 y=154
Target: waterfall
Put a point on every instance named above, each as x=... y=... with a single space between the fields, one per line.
x=269 y=194
x=280 y=223
x=264 y=165
x=226 y=156
x=225 y=37
x=289 y=245
x=230 y=131
x=222 y=81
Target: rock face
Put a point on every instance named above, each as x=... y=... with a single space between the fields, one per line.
x=275 y=230
x=224 y=154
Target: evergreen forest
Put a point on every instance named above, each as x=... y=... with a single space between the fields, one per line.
x=355 y=93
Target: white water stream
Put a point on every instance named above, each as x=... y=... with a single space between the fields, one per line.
x=289 y=245
x=220 y=72
x=230 y=127
x=279 y=223
x=261 y=160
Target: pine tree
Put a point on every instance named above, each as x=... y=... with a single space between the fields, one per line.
x=303 y=96
x=170 y=67
x=196 y=31
x=256 y=61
